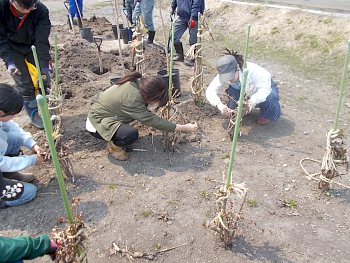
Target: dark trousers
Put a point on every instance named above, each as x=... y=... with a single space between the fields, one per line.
x=269 y=109
x=180 y=28
x=23 y=82
x=124 y=136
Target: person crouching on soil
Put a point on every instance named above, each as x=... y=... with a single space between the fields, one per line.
x=16 y=249
x=12 y=137
x=113 y=109
x=261 y=90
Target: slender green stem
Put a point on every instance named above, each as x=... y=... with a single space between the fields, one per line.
x=246 y=48
x=41 y=85
x=56 y=72
x=171 y=59
x=238 y=121
x=342 y=87
x=47 y=124
x=199 y=42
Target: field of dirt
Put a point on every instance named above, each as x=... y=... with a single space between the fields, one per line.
x=160 y=201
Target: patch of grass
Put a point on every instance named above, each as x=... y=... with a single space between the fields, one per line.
x=302 y=98
x=146 y=213
x=225 y=155
x=111 y=186
x=327 y=21
x=251 y=202
x=289 y=21
x=319 y=217
x=156 y=246
x=171 y=202
x=298 y=36
x=103 y=4
x=204 y=193
x=274 y=30
x=256 y=10
x=292 y=203
x=328 y=192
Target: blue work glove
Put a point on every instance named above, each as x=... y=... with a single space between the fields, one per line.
x=12 y=69
x=45 y=73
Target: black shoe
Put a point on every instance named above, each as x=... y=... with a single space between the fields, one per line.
x=190 y=63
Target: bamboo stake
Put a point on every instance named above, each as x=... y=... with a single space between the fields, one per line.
x=199 y=42
x=41 y=84
x=246 y=48
x=48 y=127
x=171 y=59
x=164 y=36
x=238 y=120
x=56 y=72
x=118 y=30
x=342 y=87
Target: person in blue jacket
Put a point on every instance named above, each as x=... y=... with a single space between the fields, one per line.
x=12 y=137
x=187 y=18
x=76 y=10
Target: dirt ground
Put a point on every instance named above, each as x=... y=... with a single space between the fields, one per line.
x=161 y=198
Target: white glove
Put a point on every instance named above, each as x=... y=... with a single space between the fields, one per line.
x=224 y=109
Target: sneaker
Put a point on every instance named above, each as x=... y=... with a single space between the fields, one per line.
x=262 y=121
x=23 y=177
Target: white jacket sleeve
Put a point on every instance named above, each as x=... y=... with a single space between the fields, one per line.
x=14 y=164
x=213 y=90
x=260 y=83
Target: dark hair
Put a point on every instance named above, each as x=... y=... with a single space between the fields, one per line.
x=153 y=88
x=26 y=3
x=239 y=58
x=11 y=102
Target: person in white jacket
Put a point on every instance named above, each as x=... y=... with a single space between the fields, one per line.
x=261 y=90
x=12 y=137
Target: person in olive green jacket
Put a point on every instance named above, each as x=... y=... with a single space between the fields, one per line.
x=113 y=109
x=25 y=247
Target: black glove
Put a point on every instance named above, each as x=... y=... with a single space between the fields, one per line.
x=45 y=72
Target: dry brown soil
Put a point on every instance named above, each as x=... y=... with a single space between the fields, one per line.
x=161 y=198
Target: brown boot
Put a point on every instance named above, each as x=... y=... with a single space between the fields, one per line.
x=24 y=177
x=117 y=152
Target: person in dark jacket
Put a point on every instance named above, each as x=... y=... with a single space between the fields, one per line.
x=25 y=23
x=25 y=247
x=114 y=109
x=187 y=12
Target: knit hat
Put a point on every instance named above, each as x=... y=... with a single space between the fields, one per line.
x=226 y=66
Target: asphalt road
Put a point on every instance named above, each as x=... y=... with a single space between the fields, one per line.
x=327 y=5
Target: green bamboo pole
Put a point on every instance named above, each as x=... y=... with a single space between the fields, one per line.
x=47 y=124
x=238 y=120
x=342 y=87
x=246 y=48
x=41 y=85
x=56 y=72
x=171 y=59
x=199 y=42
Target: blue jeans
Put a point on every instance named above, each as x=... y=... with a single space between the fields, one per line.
x=14 y=141
x=146 y=8
x=269 y=109
x=29 y=192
